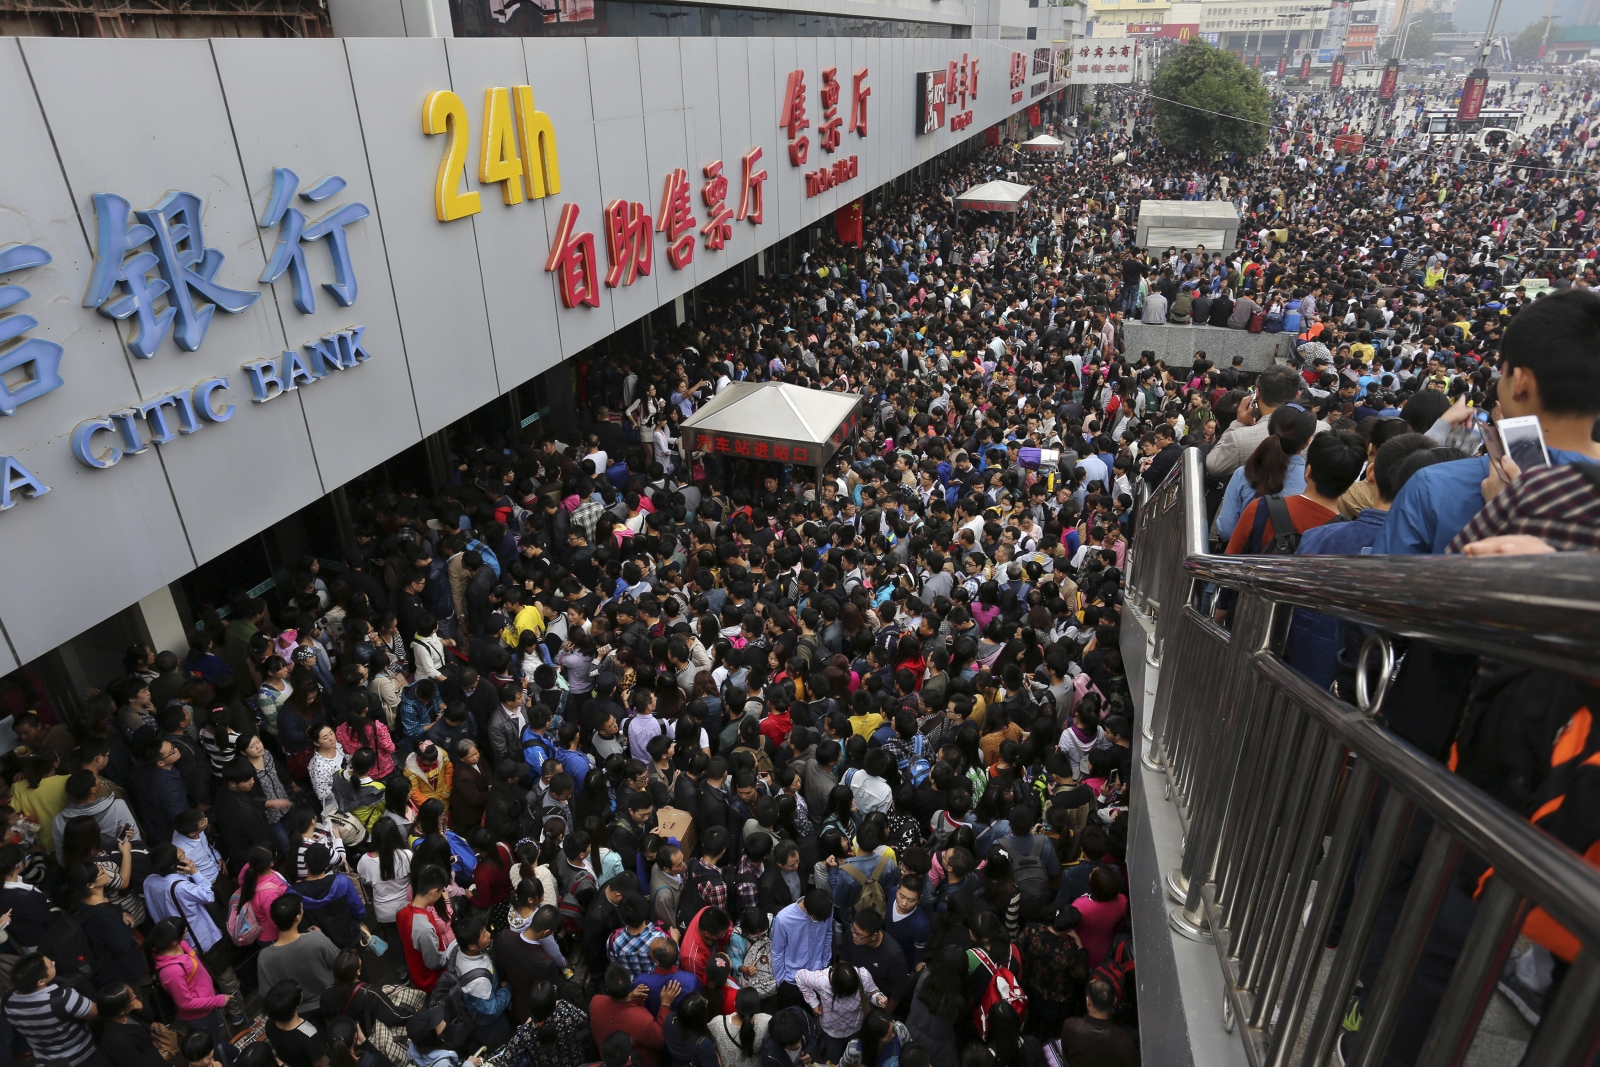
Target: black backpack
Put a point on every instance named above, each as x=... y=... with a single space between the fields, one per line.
x=1285 y=538
x=689 y=902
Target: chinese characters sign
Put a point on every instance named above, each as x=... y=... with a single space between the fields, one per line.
x=1105 y=64
x=1472 y=95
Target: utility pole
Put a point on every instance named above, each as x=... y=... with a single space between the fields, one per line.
x=1482 y=68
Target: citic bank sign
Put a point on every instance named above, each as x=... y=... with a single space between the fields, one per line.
x=519 y=152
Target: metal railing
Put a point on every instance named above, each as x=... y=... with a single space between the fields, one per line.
x=1283 y=790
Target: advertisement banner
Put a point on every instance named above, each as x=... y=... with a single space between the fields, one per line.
x=1361 y=38
x=1472 y=94
x=1305 y=67
x=1105 y=64
x=1391 y=78
x=1336 y=79
x=1283 y=65
x=1338 y=23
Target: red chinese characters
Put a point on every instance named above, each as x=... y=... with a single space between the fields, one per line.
x=793 y=118
x=630 y=242
x=751 y=186
x=859 y=91
x=961 y=82
x=572 y=260
x=828 y=131
x=676 y=219
x=719 y=226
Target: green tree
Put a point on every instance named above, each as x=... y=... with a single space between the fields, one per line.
x=1525 y=46
x=1208 y=101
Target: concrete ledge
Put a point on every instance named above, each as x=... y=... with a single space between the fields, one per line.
x=1176 y=345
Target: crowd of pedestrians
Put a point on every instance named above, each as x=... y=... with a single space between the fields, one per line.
x=610 y=749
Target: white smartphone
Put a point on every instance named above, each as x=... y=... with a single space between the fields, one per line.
x=1524 y=442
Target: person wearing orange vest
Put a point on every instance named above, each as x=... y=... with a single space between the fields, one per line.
x=424 y=935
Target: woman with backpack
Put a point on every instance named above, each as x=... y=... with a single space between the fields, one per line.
x=381 y=1012
x=259 y=885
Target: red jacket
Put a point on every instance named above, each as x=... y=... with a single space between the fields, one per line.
x=607 y=1016
x=422 y=976
x=695 y=951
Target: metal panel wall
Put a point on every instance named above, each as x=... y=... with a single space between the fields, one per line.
x=454 y=313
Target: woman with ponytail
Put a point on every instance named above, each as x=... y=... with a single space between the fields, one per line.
x=556 y=1034
x=1277 y=466
x=259 y=886
x=740 y=1034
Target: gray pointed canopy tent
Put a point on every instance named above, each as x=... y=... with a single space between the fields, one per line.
x=774 y=422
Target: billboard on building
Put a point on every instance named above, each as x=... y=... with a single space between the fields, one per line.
x=1109 y=63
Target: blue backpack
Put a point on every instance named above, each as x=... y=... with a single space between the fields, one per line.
x=536 y=749
x=1292 y=322
x=485 y=553
x=462 y=859
x=1273 y=324
x=915 y=767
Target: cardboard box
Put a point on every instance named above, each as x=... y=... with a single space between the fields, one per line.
x=673 y=822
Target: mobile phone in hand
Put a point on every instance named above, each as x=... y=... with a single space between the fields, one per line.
x=1523 y=438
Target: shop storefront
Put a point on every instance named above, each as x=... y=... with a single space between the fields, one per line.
x=317 y=254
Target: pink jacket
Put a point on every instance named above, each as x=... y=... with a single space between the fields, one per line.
x=269 y=887
x=189 y=983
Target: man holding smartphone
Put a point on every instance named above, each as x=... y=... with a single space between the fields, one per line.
x=1551 y=371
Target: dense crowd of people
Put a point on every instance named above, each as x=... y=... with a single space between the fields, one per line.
x=612 y=749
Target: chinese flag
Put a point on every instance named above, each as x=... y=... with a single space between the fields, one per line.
x=991 y=136
x=847 y=222
x=1034 y=118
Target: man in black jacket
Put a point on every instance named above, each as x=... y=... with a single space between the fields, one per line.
x=241 y=815
x=30 y=909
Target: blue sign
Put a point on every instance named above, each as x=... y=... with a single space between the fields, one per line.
x=157 y=260
x=1324 y=55
x=40 y=358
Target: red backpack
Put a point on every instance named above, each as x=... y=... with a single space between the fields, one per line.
x=1003 y=986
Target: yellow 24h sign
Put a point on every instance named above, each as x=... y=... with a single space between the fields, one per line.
x=519 y=149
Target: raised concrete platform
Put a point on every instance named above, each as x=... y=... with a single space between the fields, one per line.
x=1176 y=345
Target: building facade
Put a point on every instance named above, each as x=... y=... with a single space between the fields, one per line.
x=348 y=244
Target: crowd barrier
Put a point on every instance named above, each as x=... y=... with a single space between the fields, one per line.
x=1282 y=790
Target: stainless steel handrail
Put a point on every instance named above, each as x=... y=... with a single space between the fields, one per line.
x=1286 y=794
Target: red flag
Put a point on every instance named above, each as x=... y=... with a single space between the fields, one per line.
x=1034 y=118
x=847 y=223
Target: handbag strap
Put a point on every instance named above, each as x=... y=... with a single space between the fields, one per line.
x=346 y=1009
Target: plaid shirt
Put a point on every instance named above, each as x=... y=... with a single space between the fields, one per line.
x=745 y=884
x=633 y=950
x=713 y=889
x=587 y=516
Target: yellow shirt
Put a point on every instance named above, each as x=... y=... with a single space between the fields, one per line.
x=529 y=618
x=41 y=805
x=864 y=725
x=1363 y=352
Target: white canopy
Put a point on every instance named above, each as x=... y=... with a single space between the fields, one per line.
x=1044 y=143
x=995 y=196
x=773 y=421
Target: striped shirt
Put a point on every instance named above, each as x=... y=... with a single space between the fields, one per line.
x=50 y=1019
x=1560 y=505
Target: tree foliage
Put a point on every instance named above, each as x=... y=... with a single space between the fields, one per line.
x=1210 y=102
x=1525 y=45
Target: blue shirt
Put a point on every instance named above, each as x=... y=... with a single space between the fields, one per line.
x=207 y=864
x=799 y=943
x=654 y=980
x=1315 y=638
x=186 y=897
x=1438 y=502
x=910 y=932
x=1240 y=493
